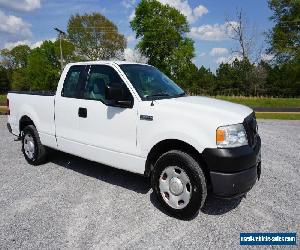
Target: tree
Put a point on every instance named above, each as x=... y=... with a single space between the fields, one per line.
x=95 y=37
x=284 y=38
x=225 y=78
x=16 y=57
x=19 y=80
x=68 y=50
x=162 y=31
x=201 y=81
x=43 y=69
x=4 y=81
x=245 y=36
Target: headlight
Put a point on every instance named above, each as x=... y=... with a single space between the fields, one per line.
x=231 y=136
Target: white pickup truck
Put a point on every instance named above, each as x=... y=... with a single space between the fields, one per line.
x=133 y=117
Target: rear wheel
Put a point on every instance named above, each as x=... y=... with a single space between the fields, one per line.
x=34 y=151
x=179 y=184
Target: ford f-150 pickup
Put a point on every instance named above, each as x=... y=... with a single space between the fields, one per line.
x=131 y=116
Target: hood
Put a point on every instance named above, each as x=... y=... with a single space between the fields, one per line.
x=224 y=112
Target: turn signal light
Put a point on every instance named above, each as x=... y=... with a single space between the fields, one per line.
x=220 y=135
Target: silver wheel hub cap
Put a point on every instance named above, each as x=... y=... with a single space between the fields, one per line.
x=29 y=147
x=175 y=187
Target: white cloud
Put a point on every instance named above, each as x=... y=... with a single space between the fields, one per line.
x=200 y=11
x=218 y=51
x=130 y=39
x=32 y=45
x=184 y=7
x=221 y=59
x=128 y=3
x=228 y=59
x=213 y=32
x=267 y=57
x=202 y=54
x=21 y=5
x=10 y=45
x=14 y=25
x=133 y=55
x=132 y=15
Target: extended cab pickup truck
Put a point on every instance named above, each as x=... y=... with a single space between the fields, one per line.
x=133 y=117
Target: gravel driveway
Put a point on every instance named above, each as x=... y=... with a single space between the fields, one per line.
x=72 y=203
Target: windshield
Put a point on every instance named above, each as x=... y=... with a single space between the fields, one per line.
x=150 y=83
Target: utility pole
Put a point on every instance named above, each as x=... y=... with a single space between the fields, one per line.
x=61 y=34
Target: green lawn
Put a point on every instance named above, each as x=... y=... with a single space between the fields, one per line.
x=266 y=102
x=2 y=100
x=278 y=116
x=2 y=110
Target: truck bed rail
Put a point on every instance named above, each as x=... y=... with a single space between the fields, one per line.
x=43 y=93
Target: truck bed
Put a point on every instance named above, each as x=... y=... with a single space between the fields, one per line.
x=39 y=106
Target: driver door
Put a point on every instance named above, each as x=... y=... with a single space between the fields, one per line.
x=108 y=132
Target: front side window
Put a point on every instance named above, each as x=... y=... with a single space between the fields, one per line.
x=72 y=81
x=99 y=77
x=150 y=83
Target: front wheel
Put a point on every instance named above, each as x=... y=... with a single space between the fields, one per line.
x=179 y=184
x=34 y=151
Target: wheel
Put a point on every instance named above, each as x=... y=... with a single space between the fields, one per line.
x=179 y=184
x=32 y=148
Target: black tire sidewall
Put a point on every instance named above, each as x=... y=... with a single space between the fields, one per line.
x=195 y=174
x=33 y=132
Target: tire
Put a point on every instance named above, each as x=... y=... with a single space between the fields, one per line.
x=33 y=150
x=179 y=200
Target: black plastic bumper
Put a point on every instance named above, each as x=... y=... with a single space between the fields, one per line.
x=234 y=171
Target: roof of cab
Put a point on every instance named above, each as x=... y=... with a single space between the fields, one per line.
x=105 y=62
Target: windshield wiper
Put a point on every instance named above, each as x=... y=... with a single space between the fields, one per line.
x=181 y=94
x=157 y=95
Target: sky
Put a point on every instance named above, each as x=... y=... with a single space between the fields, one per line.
x=33 y=21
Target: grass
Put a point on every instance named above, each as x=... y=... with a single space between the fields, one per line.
x=2 y=100
x=266 y=102
x=278 y=116
x=3 y=110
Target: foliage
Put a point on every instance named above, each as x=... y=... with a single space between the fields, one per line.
x=2 y=100
x=19 y=80
x=284 y=37
x=95 y=37
x=68 y=51
x=16 y=57
x=162 y=31
x=43 y=69
x=4 y=81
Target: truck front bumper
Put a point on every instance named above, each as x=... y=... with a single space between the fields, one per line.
x=233 y=171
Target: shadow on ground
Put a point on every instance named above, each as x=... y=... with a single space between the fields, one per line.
x=216 y=206
x=134 y=182
x=128 y=180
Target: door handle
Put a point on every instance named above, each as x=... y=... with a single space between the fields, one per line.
x=82 y=112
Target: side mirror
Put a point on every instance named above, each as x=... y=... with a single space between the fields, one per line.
x=117 y=97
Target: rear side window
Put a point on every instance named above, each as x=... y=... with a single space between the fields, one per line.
x=72 y=82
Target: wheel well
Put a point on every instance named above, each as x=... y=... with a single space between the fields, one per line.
x=25 y=121
x=171 y=144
